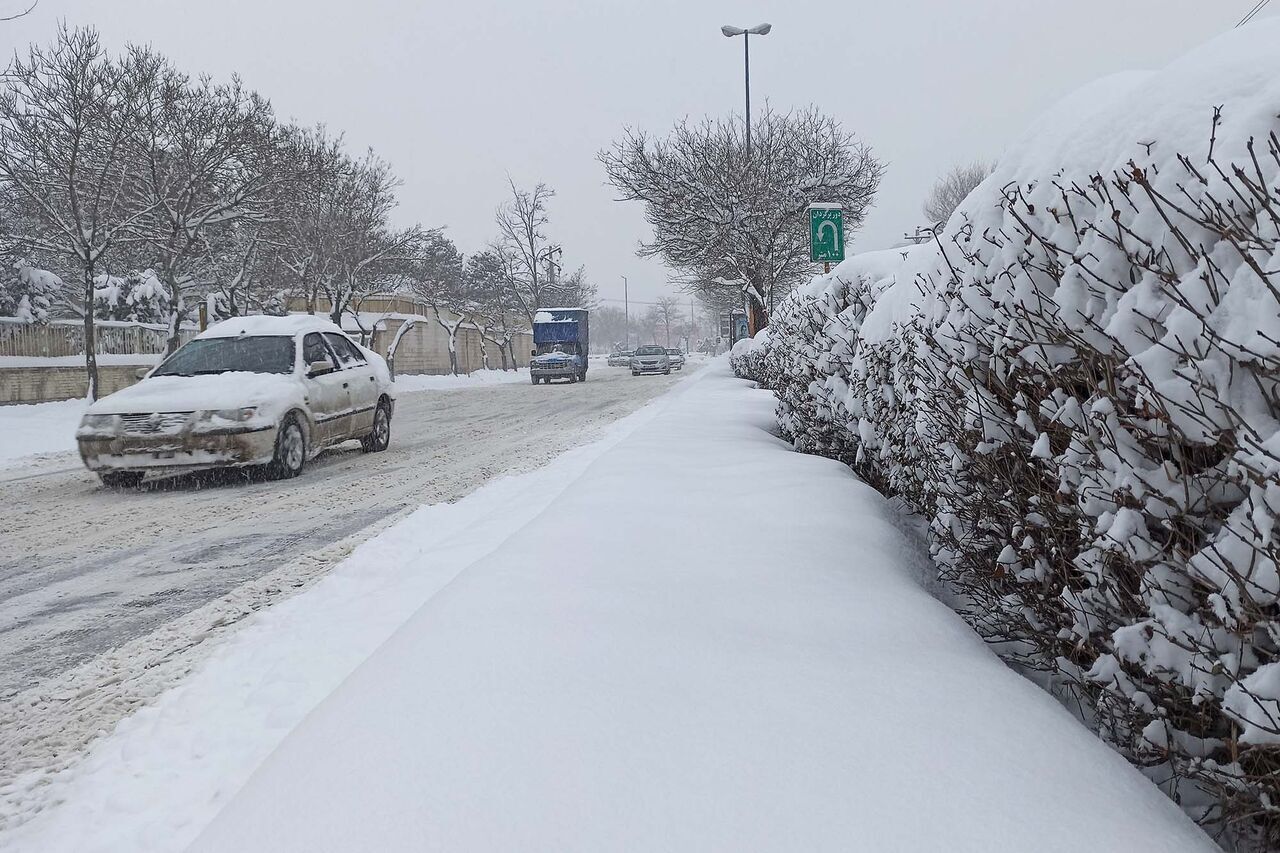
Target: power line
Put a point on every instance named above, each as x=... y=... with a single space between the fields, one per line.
x=633 y=301
x=1253 y=13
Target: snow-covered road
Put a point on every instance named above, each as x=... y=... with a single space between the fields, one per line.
x=106 y=597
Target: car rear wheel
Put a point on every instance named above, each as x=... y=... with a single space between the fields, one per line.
x=121 y=479
x=291 y=450
x=378 y=439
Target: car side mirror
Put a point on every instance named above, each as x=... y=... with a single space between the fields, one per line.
x=533 y=352
x=141 y=372
x=319 y=368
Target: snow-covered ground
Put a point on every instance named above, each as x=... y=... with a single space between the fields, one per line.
x=685 y=636
x=425 y=382
x=39 y=428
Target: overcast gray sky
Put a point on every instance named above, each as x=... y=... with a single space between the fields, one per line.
x=457 y=95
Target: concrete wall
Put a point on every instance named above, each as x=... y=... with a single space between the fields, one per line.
x=40 y=384
x=424 y=348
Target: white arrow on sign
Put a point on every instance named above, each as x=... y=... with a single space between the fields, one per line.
x=827 y=223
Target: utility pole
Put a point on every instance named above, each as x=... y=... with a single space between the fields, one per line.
x=626 y=313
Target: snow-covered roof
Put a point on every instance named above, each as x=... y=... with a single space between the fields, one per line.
x=547 y=315
x=261 y=324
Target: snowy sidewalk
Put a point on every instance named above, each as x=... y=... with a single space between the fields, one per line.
x=686 y=637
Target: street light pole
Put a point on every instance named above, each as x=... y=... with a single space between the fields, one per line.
x=747 y=33
x=626 y=312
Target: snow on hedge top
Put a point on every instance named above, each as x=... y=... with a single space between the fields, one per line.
x=294 y=324
x=1141 y=116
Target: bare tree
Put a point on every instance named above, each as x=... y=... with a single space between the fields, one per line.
x=521 y=222
x=302 y=235
x=953 y=188
x=368 y=249
x=494 y=306
x=202 y=160
x=666 y=315
x=735 y=225
x=66 y=116
x=437 y=277
x=575 y=290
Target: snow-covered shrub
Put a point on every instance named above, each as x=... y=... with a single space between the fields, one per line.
x=139 y=297
x=745 y=357
x=28 y=293
x=1078 y=384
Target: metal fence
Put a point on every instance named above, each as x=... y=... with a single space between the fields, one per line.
x=66 y=337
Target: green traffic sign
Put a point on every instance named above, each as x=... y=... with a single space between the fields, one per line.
x=826 y=233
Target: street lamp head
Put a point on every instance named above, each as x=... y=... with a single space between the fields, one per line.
x=760 y=29
x=730 y=32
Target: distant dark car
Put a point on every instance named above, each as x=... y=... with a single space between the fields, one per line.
x=650 y=359
x=676 y=357
x=622 y=358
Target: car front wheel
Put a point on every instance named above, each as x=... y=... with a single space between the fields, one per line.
x=291 y=450
x=378 y=439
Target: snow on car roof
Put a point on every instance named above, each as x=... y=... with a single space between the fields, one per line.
x=262 y=324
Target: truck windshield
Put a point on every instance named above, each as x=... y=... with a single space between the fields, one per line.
x=258 y=354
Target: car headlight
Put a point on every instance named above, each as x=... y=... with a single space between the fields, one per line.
x=98 y=421
x=233 y=415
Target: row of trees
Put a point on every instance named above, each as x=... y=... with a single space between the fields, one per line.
x=150 y=192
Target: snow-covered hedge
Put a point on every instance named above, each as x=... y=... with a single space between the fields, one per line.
x=1078 y=384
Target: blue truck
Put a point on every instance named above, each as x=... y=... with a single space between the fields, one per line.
x=561 y=339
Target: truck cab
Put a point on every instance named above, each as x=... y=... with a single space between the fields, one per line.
x=561 y=339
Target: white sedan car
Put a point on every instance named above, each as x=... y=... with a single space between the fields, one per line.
x=269 y=391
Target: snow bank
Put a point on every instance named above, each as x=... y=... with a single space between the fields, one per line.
x=39 y=428
x=407 y=383
x=1078 y=384
x=719 y=686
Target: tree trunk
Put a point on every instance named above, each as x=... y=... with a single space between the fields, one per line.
x=90 y=336
x=757 y=319
x=502 y=351
x=176 y=309
x=453 y=350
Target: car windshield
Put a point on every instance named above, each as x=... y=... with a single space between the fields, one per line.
x=651 y=351
x=258 y=354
